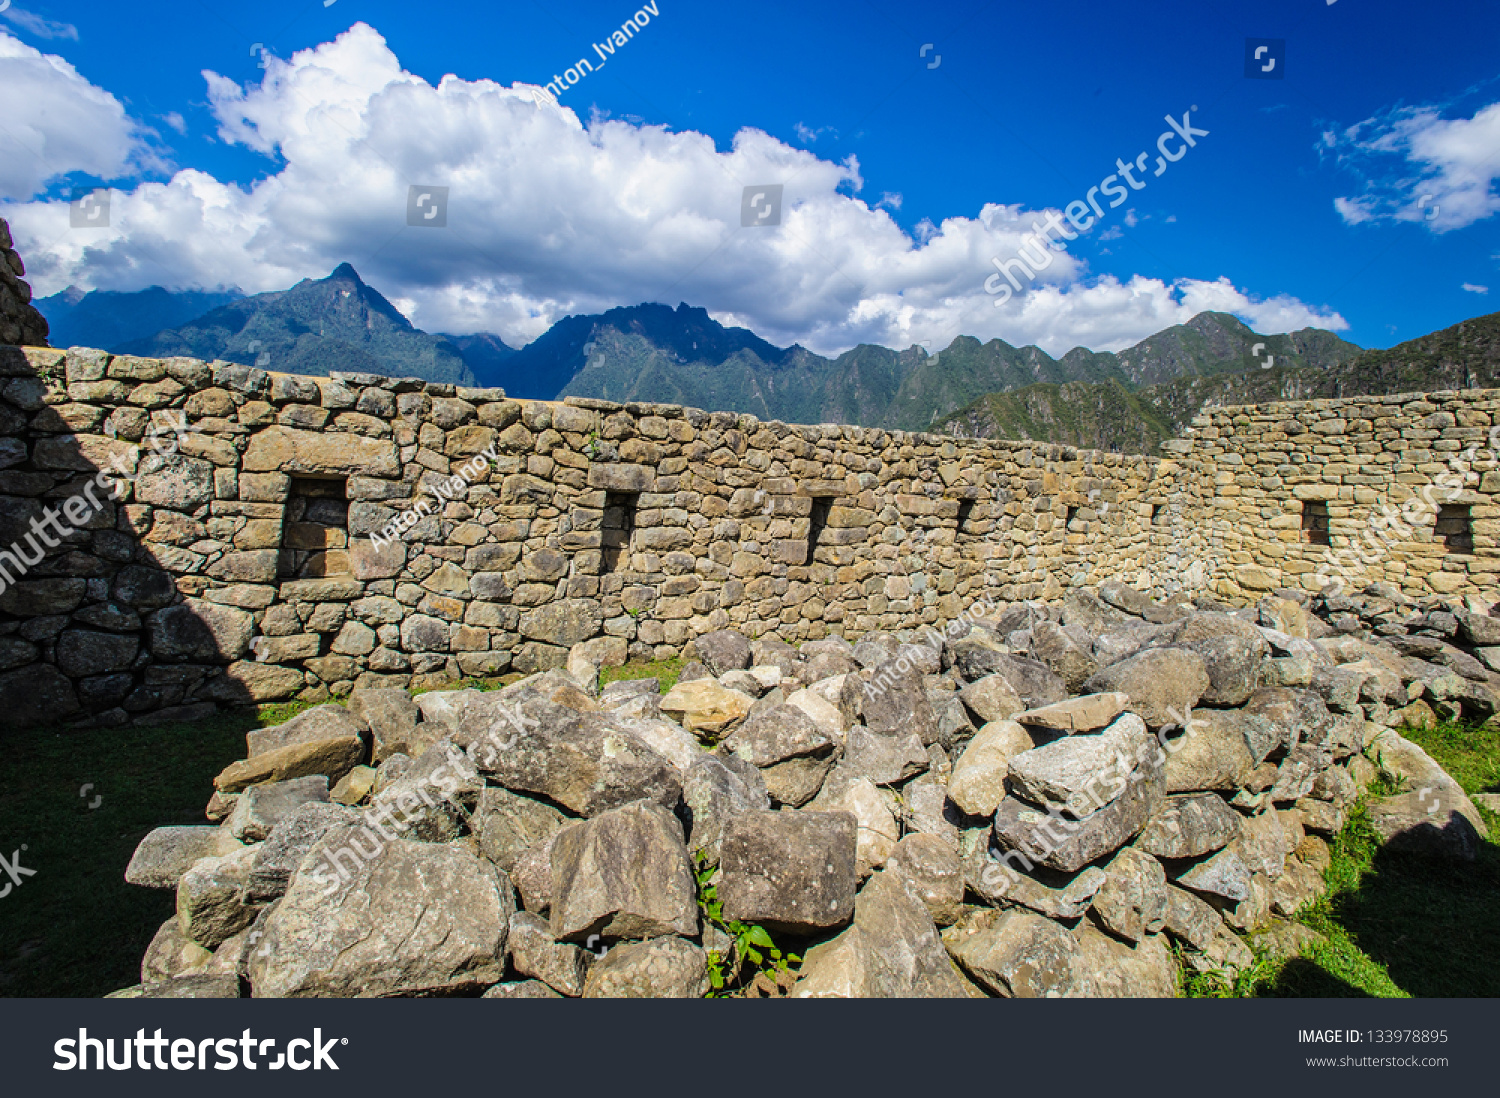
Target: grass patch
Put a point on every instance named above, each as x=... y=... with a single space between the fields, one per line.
x=1397 y=925
x=663 y=671
x=76 y=928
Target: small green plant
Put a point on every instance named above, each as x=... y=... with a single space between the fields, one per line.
x=753 y=951
x=591 y=445
x=53 y=376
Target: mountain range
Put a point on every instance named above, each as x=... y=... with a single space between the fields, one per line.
x=1127 y=400
x=1111 y=416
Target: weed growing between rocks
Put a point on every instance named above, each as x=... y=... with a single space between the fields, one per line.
x=663 y=671
x=753 y=958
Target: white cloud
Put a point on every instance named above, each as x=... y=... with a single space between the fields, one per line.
x=548 y=217
x=56 y=122
x=1419 y=166
x=176 y=121
x=37 y=25
x=1473 y=289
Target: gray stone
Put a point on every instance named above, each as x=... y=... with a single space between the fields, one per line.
x=508 y=825
x=534 y=953
x=1215 y=752
x=210 y=906
x=1233 y=664
x=171 y=954
x=564 y=622
x=795 y=782
x=997 y=881
x=891 y=952
x=1084 y=714
x=1116 y=970
x=663 y=968
x=190 y=986
x=992 y=698
x=322 y=722
x=262 y=807
x=413 y=919
x=1163 y=684
x=583 y=761
x=775 y=734
x=715 y=792
x=976 y=654
x=845 y=791
x=789 y=871
x=521 y=989
x=432 y=800
x=392 y=718
x=885 y=760
x=1069 y=660
x=1068 y=845
x=932 y=873
x=1081 y=774
x=289 y=842
x=1224 y=874
x=624 y=874
x=894 y=702
x=1019 y=955
x=977 y=784
x=724 y=650
x=1189 y=826
x=1133 y=900
x=165 y=854
x=1191 y=920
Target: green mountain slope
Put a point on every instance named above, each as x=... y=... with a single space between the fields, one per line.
x=108 y=318
x=317 y=326
x=1108 y=416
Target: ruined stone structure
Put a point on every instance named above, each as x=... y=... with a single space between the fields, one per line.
x=245 y=559
x=20 y=323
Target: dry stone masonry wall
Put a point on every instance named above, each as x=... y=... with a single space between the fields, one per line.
x=282 y=536
x=1402 y=487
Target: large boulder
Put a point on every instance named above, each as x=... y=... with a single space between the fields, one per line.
x=535 y=953
x=1033 y=681
x=289 y=842
x=878 y=831
x=715 y=790
x=1081 y=774
x=1070 y=659
x=992 y=698
x=1116 y=970
x=261 y=807
x=1068 y=845
x=891 y=952
x=894 y=702
x=1218 y=751
x=977 y=784
x=702 y=705
x=412 y=919
x=789 y=871
x=392 y=717
x=165 y=854
x=508 y=825
x=1163 y=683
x=933 y=874
x=1233 y=663
x=1189 y=826
x=1133 y=900
x=662 y=968
x=723 y=651
x=322 y=722
x=1019 y=955
x=776 y=733
x=585 y=762
x=623 y=874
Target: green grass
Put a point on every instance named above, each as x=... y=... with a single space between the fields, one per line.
x=76 y=928
x=1398 y=925
x=663 y=671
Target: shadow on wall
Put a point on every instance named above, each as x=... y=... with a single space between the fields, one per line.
x=93 y=626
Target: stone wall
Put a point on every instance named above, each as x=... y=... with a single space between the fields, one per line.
x=1367 y=461
x=239 y=564
x=20 y=324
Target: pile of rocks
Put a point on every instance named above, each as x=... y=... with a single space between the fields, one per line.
x=1041 y=803
x=20 y=323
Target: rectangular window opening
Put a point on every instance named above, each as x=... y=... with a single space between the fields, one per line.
x=965 y=509
x=1455 y=527
x=1072 y=514
x=1158 y=514
x=315 y=529
x=618 y=526
x=816 y=522
x=1315 y=522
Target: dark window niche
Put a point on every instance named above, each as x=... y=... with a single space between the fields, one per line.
x=1455 y=527
x=315 y=529
x=1072 y=514
x=965 y=509
x=617 y=528
x=817 y=521
x=1315 y=522
x=1158 y=514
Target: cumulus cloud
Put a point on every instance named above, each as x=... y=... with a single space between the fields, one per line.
x=1473 y=289
x=547 y=216
x=56 y=122
x=1420 y=166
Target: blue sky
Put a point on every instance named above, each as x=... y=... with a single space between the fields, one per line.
x=904 y=179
